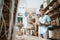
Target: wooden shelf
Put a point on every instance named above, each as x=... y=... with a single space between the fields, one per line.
x=49 y=11
x=53 y=9
x=52 y=15
x=50 y=4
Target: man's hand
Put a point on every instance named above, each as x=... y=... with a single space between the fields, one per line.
x=39 y=24
x=47 y=24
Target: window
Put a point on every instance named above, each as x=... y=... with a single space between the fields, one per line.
x=19 y=19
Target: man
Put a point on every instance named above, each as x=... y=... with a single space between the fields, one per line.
x=44 y=22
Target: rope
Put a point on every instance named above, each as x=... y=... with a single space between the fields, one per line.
x=7 y=7
x=4 y=27
x=1 y=7
x=1 y=28
x=3 y=21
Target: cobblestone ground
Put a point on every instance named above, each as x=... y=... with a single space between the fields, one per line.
x=25 y=37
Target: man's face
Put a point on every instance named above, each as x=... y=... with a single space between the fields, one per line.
x=42 y=12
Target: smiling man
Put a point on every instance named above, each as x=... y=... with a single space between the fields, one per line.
x=44 y=22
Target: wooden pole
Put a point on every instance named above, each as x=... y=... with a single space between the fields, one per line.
x=11 y=19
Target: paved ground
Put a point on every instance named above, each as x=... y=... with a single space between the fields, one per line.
x=25 y=37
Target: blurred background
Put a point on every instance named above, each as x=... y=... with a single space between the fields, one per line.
x=17 y=16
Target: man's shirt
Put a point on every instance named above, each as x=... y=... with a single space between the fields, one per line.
x=43 y=19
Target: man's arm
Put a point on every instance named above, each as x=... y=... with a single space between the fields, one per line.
x=46 y=24
x=48 y=19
